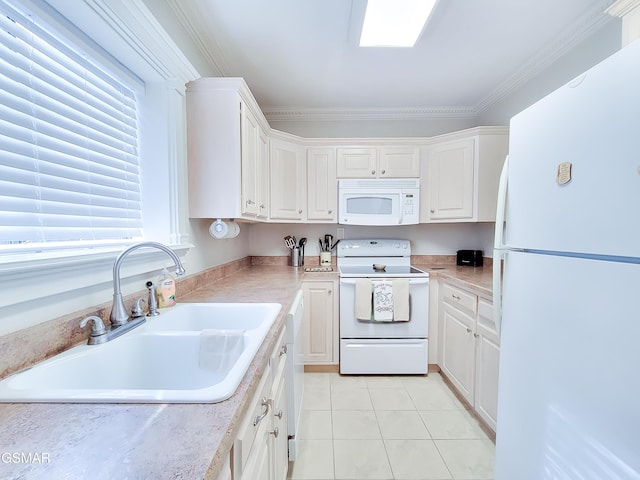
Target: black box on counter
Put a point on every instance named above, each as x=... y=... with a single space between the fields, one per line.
x=470 y=258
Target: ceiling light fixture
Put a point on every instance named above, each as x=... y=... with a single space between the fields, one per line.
x=394 y=23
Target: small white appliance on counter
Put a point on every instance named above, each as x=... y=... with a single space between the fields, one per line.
x=379 y=202
x=390 y=345
x=569 y=387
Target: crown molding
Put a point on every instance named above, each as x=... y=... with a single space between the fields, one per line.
x=192 y=19
x=137 y=26
x=582 y=28
x=346 y=114
x=623 y=7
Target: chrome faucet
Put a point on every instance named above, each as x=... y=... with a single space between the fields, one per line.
x=119 y=315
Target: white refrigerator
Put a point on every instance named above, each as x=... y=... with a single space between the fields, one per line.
x=568 y=235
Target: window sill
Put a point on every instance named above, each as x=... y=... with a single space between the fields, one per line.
x=36 y=264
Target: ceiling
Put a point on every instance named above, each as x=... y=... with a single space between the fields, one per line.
x=300 y=58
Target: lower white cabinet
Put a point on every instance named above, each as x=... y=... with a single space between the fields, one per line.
x=260 y=450
x=470 y=349
x=320 y=322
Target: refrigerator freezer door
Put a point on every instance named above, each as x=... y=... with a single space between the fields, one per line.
x=592 y=123
x=568 y=403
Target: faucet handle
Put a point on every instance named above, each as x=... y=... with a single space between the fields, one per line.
x=97 y=328
x=136 y=311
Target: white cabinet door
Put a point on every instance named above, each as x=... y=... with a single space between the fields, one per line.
x=249 y=167
x=399 y=162
x=320 y=323
x=322 y=194
x=451 y=180
x=378 y=162
x=287 y=181
x=357 y=162
x=262 y=175
x=279 y=432
x=458 y=352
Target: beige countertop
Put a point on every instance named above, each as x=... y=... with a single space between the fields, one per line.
x=160 y=441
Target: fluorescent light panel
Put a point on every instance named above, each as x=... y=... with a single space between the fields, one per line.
x=394 y=23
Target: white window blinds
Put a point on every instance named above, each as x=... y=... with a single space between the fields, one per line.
x=69 y=170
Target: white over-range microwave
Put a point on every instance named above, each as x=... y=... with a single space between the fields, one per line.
x=385 y=201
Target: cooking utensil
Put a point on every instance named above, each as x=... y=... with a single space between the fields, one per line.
x=301 y=244
x=290 y=242
x=334 y=245
x=321 y=245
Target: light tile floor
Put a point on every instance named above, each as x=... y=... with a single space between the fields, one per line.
x=388 y=427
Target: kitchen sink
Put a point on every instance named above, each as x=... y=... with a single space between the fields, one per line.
x=192 y=353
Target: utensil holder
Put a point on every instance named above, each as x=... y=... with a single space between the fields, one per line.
x=325 y=259
x=295 y=257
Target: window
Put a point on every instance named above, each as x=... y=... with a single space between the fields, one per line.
x=69 y=166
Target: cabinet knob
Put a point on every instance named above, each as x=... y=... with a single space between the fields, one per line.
x=455 y=296
x=279 y=414
x=468 y=330
x=476 y=335
x=300 y=211
x=262 y=207
x=250 y=202
x=283 y=350
x=383 y=172
x=433 y=211
x=373 y=172
x=274 y=432
x=330 y=212
x=328 y=292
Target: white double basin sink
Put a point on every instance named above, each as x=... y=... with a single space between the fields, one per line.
x=191 y=353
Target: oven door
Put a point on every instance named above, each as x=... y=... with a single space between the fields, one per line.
x=370 y=208
x=416 y=327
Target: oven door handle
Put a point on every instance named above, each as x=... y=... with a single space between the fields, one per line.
x=412 y=281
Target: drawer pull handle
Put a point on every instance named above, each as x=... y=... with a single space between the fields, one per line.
x=265 y=403
x=455 y=296
x=274 y=432
x=283 y=350
x=279 y=414
x=476 y=335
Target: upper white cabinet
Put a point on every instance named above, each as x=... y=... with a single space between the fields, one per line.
x=378 y=162
x=227 y=150
x=322 y=195
x=287 y=181
x=255 y=166
x=462 y=176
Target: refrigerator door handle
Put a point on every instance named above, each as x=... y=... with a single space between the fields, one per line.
x=499 y=257
x=499 y=252
x=501 y=206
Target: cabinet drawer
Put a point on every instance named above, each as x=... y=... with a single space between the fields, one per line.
x=247 y=432
x=460 y=299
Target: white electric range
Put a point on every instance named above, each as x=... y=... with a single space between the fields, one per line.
x=382 y=347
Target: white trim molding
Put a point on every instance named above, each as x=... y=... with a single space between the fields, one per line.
x=629 y=11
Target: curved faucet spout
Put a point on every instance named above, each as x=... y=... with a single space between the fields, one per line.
x=119 y=315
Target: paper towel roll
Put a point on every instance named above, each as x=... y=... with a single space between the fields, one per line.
x=220 y=229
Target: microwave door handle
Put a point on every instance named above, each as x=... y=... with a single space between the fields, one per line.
x=401 y=208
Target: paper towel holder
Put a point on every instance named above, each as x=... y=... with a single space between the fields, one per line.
x=221 y=229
